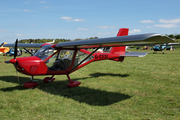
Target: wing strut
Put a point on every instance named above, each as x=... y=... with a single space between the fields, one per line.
x=77 y=83
x=85 y=59
x=28 y=51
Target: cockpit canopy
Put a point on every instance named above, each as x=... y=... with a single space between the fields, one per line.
x=44 y=52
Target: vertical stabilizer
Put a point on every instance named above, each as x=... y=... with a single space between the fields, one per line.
x=123 y=32
x=120 y=50
x=1 y=44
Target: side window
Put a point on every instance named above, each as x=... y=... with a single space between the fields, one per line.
x=107 y=49
x=80 y=56
x=62 y=61
x=66 y=54
x=51 y=60
x=66 y=57
x=104 y=50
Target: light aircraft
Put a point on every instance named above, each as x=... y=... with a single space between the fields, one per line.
x=11 y=52
x=52 y=41
x=4 y=49
x=159 y=48
x=169 y=46
x=67 y=57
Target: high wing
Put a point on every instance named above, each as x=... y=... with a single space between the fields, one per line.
x=142 y=39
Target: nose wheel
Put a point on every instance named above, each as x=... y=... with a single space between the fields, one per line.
x=30 y=84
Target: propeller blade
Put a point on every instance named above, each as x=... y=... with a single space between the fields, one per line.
x=15 y=52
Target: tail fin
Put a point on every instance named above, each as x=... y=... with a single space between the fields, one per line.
x=123 y=32
x=1 y=44
x=120 y=50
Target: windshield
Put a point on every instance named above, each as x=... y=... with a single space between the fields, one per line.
x=44 y=52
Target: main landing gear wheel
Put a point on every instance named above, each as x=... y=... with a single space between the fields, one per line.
x=73 y=83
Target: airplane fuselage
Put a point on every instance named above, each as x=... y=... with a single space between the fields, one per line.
x=48 y=61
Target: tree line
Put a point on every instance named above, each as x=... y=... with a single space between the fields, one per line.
x=174 y=36
x=50 y=40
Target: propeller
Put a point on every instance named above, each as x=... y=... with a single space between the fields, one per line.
x=15 y=52
x=14 y=61
x=15 y=55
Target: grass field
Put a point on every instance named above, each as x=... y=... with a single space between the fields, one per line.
x=138 y=88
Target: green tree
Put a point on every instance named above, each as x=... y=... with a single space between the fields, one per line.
x=171 y=36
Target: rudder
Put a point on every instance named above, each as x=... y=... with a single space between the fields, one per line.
x=120 y=50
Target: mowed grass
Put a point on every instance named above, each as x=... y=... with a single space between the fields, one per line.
x=137 y=88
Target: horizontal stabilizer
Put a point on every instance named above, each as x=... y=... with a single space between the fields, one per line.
x=134 y=54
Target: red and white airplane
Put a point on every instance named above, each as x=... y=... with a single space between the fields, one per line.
x=67 y=57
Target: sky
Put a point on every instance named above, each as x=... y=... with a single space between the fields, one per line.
x=81 y=19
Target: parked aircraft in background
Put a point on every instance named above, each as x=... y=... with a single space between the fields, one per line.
x=52 y=41
x=11 y=52
x=4 y=49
